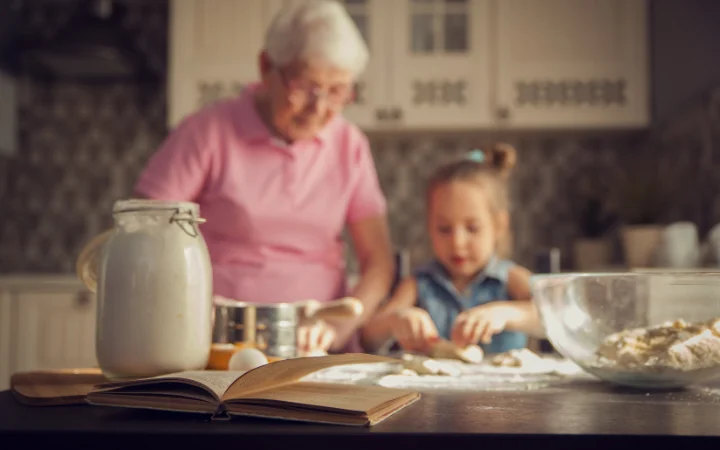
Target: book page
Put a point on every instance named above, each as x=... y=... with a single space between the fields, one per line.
x=347 y=398
x=151 y=401
x=325 y=416
x=288 y=371
x=298 y=415
x=216 y=382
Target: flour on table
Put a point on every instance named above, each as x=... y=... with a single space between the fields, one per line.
x=474 y=383
x=424 y=373
x=521 y=371
x=671 y=346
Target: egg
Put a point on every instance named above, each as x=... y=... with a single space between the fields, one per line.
x=247 y=359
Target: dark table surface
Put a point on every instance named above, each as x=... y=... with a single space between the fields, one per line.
x=579 y=414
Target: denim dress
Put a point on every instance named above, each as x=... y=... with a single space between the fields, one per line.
x=439 y=297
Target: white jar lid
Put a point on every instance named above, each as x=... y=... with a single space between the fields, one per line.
x=139 y=204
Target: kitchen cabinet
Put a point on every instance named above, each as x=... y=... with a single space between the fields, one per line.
x=582 y=63
x=370 y=90
x=438 y=64
x=213 y=50
x=444 y=64
x=515 y=64
x=45 y=323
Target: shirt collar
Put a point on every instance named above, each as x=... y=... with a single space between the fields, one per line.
x=493 y=269
x=253 y=128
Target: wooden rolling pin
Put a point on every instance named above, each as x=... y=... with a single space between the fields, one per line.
x=344 y=308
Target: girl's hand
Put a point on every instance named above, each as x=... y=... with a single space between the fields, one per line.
x=414 y=329
x=480 y=324
x=315 y=336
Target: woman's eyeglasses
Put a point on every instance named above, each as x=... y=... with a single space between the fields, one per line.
x=301 y=92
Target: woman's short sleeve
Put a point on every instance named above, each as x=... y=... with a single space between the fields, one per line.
x=179 y=168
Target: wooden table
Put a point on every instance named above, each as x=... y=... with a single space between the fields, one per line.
x=579 y=415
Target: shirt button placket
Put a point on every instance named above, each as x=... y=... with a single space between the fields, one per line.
x=290 y=175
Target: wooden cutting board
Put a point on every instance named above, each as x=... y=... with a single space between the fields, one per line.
x=55 y=387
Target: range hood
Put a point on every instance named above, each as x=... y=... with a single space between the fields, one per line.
x=91 y=47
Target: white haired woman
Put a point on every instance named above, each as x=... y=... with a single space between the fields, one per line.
x=278 y=174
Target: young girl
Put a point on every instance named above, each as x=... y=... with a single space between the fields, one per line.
x=468 y=293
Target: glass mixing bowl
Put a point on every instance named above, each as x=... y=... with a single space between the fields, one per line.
x=581 y=311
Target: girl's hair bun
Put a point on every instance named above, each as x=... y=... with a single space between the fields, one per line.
x=502 y=157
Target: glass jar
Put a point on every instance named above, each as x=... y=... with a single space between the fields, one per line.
x=153 y=280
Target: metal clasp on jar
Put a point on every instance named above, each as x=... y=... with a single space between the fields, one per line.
x=186 y=220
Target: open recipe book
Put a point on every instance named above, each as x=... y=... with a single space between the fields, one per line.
x=274 y=390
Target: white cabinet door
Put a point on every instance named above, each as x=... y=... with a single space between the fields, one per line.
x=54 y=329
x=371 y=94
x=439 y=64
x=214 y=48
x=6 y=369
x=571 y=63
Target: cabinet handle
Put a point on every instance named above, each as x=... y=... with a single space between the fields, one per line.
x=397 y=114
x=83 y=299
x=381 y=114
x=503 y=112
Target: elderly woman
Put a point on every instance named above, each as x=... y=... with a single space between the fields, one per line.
x=278 y=174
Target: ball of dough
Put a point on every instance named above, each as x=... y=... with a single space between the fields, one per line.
x=444 y=349
x=422 y=365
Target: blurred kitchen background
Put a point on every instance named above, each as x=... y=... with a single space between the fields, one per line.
x=613 y=105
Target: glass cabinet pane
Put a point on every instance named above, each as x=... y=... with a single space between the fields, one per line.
x=438 y=26
x=422 y=34
x=456 y=32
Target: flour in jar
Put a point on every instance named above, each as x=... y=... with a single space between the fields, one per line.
x=154 y=292
x=671 y=346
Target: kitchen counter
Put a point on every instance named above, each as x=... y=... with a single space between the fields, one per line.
x=578 y=414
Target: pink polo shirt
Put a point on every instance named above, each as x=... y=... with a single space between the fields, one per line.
x=274 y=211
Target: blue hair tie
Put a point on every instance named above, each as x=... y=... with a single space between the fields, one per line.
x=476 y=155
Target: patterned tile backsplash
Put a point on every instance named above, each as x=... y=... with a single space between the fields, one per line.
x=82 y=147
